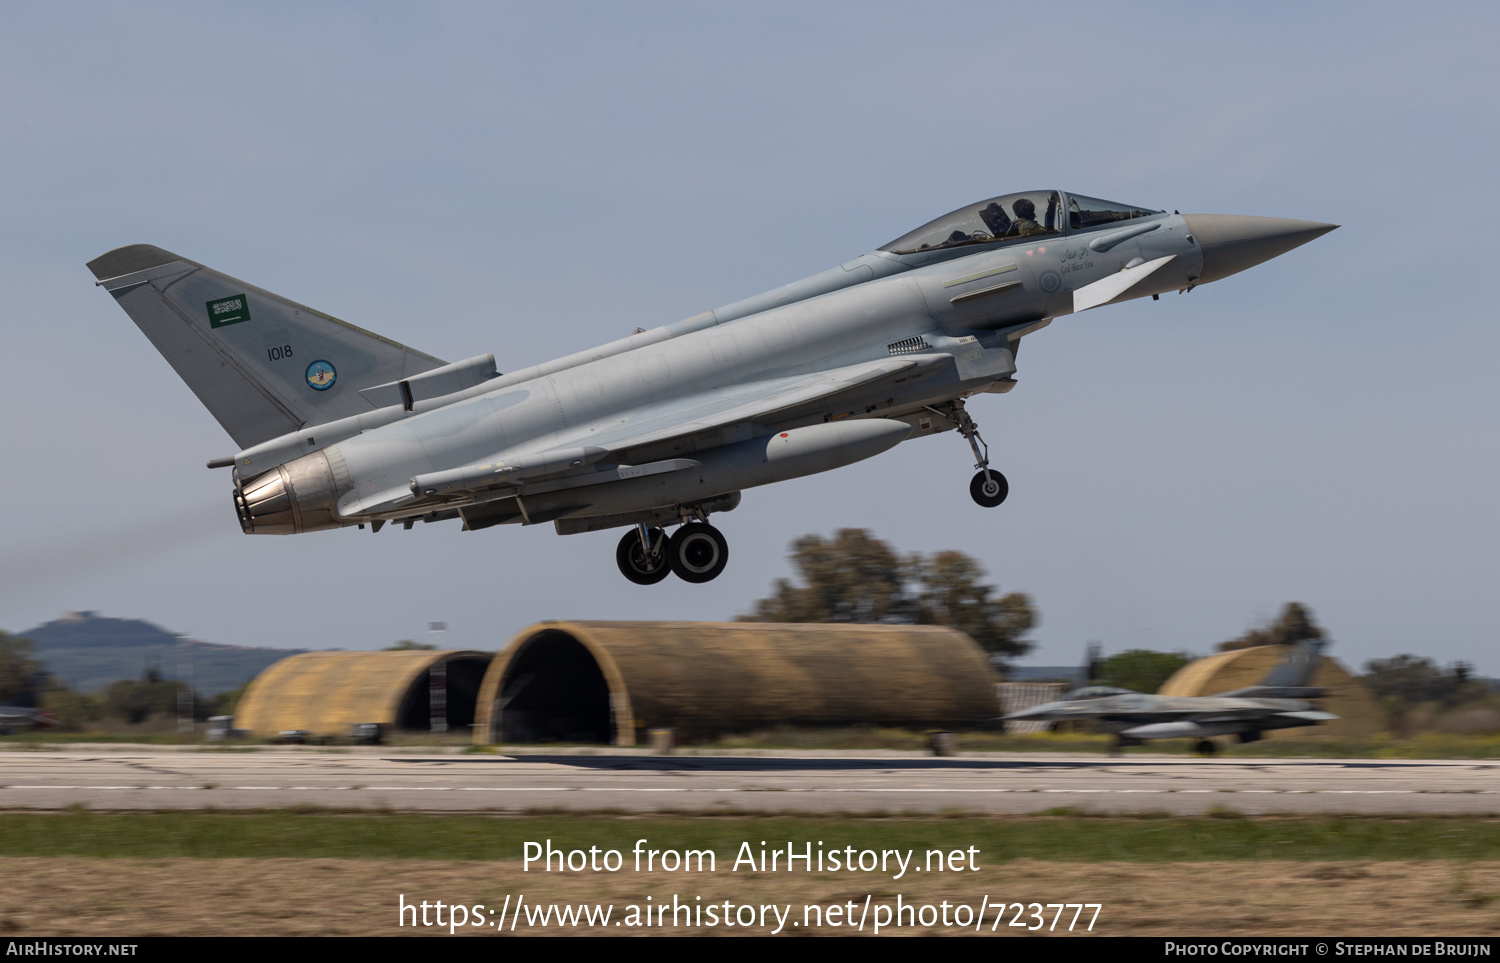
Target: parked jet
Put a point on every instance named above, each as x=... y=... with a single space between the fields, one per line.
x=1279 y=702
x=15 y=719
x=338 y=426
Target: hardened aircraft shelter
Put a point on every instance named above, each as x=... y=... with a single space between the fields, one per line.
x=1358 y=714
x=610 y=682
x=324 y=693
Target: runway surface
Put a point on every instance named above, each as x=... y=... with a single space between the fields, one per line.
x=862 y=782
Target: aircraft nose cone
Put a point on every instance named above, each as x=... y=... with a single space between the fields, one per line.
x=1233 y=242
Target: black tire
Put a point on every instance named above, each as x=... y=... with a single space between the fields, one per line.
x=699 y=553
x=1205 y=747
x=989 y=488
x=634 y=562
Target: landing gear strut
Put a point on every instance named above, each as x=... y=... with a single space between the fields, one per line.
x=1205 y=747
x=988 y=488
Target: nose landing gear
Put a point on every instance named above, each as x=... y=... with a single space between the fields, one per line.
x=988 y=488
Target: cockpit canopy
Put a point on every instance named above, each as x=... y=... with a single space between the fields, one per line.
x=1014 y=217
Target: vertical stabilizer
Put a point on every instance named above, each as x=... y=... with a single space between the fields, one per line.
x=261 y=364
x=1296 y=671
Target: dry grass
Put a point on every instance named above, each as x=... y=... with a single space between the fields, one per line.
x=75 y=896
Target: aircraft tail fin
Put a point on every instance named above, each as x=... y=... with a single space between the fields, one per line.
x=1289 y=679
x=261 y=364
x=1296 y=670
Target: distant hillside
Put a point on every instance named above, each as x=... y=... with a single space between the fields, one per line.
x=87 y=653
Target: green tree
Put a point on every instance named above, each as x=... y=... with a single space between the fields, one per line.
x=406 y=645
x=19 y=670
x=74 y=711
x=1413 y=679
x=949 y=591
x=1293 y=625
x=852 y=577
x=855 y=577
x=1141 y=670
x=137 y=700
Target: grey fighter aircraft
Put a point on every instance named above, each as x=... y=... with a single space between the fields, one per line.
x=15 y=719
x=1281 y=701
x=338 y=426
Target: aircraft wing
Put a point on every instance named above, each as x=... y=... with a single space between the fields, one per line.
x=1217 y=725
x=1160 y=709
x=727 y=415
x=654 y=438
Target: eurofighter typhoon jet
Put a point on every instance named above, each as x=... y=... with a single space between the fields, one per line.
x=338 y=426
x=1279 y=702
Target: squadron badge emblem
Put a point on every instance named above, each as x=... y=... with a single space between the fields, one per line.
x=321 y=376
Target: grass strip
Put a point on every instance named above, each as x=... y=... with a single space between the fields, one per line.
x=1312 y=746
x=1064 y=836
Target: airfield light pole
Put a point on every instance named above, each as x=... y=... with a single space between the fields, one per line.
x=437 y=687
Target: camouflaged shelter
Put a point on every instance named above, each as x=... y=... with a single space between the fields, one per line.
x=610 y=682
x=324 y=693
x=1346 y=697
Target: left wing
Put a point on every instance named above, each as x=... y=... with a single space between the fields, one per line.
x=654 y=438
x=683 y=426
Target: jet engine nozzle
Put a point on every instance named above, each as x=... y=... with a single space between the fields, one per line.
x=296 y=497
x=1233 y=242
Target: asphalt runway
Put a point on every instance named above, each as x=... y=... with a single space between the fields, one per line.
x=820 y=782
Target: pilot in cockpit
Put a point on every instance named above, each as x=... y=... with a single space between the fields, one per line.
x=1025 y=223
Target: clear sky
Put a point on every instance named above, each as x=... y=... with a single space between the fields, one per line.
x=533 y=179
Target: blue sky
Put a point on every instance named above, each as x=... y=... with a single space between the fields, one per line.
x=535 y=179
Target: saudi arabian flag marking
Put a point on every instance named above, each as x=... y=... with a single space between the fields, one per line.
x=228 y=311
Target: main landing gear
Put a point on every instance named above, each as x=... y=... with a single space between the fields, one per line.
x=697 y=552
x=642 y=555
x=988 y=488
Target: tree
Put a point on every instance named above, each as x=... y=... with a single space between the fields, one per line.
x=136 y=701
x=1141 y=670
x=1294 y=625
x=1414 y=679
x=20 y=673
x=406 y=645
x=950 y=593
x=855 y=577
x=852 y=577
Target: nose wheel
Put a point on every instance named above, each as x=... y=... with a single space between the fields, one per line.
x=989 y=487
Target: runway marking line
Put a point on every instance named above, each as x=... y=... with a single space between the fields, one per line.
x=679 y=789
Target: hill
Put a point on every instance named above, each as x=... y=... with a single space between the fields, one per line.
x=87 y=652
